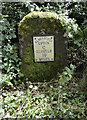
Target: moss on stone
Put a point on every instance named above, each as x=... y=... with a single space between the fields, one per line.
x=26 y=24
x=28 y=55
x=33 y=24
x=39 y=71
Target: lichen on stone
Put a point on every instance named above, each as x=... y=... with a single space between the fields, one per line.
x=27 y=20
x=34 y=24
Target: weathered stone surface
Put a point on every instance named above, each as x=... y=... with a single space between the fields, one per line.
x=36 y=23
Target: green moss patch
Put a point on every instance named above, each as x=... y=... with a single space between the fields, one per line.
x=32 y=24
x=43 y=18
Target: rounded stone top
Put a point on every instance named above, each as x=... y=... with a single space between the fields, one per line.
x=27 y=20
x=36 y=14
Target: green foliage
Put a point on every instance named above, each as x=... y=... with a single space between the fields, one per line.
x=78 y=10
x=45 y=101
x=84 y=28
x=48 y=100
x=12 y=13
x=11 y=61
x=67 y=75
x=18 y=10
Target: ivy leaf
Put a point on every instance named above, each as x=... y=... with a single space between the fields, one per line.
x=54 y=102
x=72 y=66
x=65 y=73
x=70 y=35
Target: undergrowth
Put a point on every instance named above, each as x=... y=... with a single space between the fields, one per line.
x=61 y=98
x=45 y=101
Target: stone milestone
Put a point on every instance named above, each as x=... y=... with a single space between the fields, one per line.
x=42 y=46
